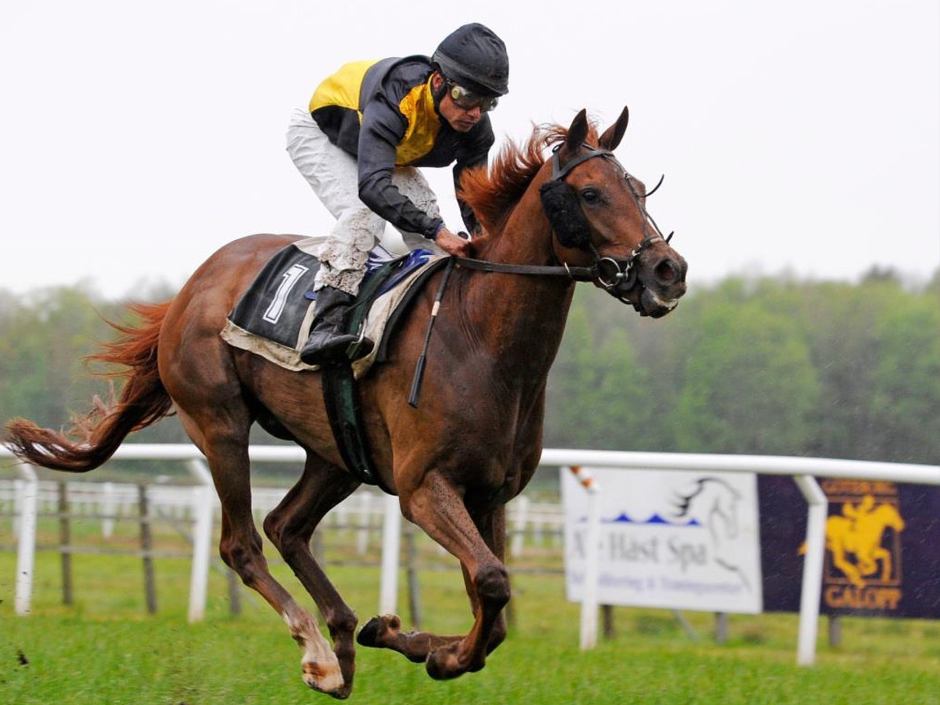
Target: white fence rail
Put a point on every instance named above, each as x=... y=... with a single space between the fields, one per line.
x=107 y=501
x=28 y=494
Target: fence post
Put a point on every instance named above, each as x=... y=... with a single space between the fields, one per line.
x=365 y=519
x=234 y=592
x=26 y=546
x=317 y=549
x=202 y=538
x=607 y=614
x=721 y=627
x=812 y=568
x=592 y=560
x=108 y=508
x=18 y=489
x=835 y=630
x=146 y=549
x=391 y=542
x=521 y=517
x=414 y=588
x=65 y=544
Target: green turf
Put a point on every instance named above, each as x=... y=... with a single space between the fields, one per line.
x=105 y=649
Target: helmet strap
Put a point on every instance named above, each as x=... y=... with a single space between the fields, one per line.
x=438 y=93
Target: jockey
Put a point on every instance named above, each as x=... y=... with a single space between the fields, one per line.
x=368 y=126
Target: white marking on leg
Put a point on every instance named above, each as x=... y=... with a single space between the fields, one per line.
x=319 y=664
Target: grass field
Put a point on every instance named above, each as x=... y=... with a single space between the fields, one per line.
x=105 y=650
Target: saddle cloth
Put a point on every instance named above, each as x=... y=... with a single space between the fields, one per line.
x=273 y=316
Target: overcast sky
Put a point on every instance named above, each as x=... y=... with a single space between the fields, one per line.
x=136 y=138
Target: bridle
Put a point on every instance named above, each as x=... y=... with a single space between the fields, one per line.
x=616 y=277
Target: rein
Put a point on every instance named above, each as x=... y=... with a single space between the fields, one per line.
x=580 y=274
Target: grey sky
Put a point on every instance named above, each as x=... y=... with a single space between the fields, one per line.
x=800 y=136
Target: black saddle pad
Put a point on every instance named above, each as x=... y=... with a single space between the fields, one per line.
x=275 y=304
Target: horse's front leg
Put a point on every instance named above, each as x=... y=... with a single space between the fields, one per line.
x=385 y=631
x=438 y=508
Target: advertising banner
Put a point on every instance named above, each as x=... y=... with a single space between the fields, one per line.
x=882 y=547
x=679 y=540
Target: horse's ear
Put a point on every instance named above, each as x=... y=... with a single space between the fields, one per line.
x=612 y=136
x=577 y=133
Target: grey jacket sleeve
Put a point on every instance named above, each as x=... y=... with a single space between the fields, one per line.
x=381 y=130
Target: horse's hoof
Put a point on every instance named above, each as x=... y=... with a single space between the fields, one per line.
x=373 y=633
x=325 y=680
x=442 y=664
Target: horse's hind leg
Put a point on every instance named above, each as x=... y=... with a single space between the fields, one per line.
x=226 y=451
x=290 y=526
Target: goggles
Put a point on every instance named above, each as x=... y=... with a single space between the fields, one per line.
x=466 y=99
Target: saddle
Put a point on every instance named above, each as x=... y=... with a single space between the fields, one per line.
x=272 y=318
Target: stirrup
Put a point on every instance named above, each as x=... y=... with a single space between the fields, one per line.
x=360 y=348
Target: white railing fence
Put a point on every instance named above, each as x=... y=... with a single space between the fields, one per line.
x=27 y=494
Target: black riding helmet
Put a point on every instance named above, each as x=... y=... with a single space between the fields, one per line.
x=474 y=57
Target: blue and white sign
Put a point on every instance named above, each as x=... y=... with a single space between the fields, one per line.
x=679 y=540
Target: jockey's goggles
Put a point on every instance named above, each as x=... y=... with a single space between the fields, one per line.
x=465 y=99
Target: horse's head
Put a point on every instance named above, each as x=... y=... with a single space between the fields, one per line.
x=712 y=498
x=890 y=517
x=598 y=213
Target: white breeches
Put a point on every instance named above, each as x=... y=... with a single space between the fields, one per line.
x=358 y=231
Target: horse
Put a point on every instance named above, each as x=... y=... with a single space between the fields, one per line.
x=862 y=538
x=456 y=459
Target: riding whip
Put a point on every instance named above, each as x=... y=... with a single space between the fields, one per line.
x=419 y=368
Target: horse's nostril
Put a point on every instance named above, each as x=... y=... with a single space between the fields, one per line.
x=666 y=271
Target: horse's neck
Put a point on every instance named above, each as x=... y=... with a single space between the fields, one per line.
x=886 y=515
x=519 y=318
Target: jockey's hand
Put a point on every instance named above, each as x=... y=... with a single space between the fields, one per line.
x=453 y=244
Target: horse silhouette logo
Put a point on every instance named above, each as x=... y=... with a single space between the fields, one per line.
x=856 y=538
x=712 y=502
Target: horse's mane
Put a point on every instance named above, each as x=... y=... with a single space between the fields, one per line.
x=492 y=193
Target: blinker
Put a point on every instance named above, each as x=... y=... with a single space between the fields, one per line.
x=560 y=201
x=561 y=206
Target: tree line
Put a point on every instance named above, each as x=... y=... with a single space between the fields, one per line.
x=770 y=365
x=747 y=365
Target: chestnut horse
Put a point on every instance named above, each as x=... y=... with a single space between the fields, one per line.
x=454 y=462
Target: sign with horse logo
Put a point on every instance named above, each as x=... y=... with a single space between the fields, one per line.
x=880 y=547
x=680 y=540
x=863 y=545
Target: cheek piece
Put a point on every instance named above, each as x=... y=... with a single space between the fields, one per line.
x=560 y=203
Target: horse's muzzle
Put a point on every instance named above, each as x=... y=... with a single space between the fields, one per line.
x=662 y=284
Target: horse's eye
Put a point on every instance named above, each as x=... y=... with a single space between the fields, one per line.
x=590 y=195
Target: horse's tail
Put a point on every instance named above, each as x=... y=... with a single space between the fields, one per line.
x=92 y=439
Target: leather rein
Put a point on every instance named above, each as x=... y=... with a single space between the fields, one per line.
x=605 y=272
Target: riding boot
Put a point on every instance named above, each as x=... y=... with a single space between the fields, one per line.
x=327 y=341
